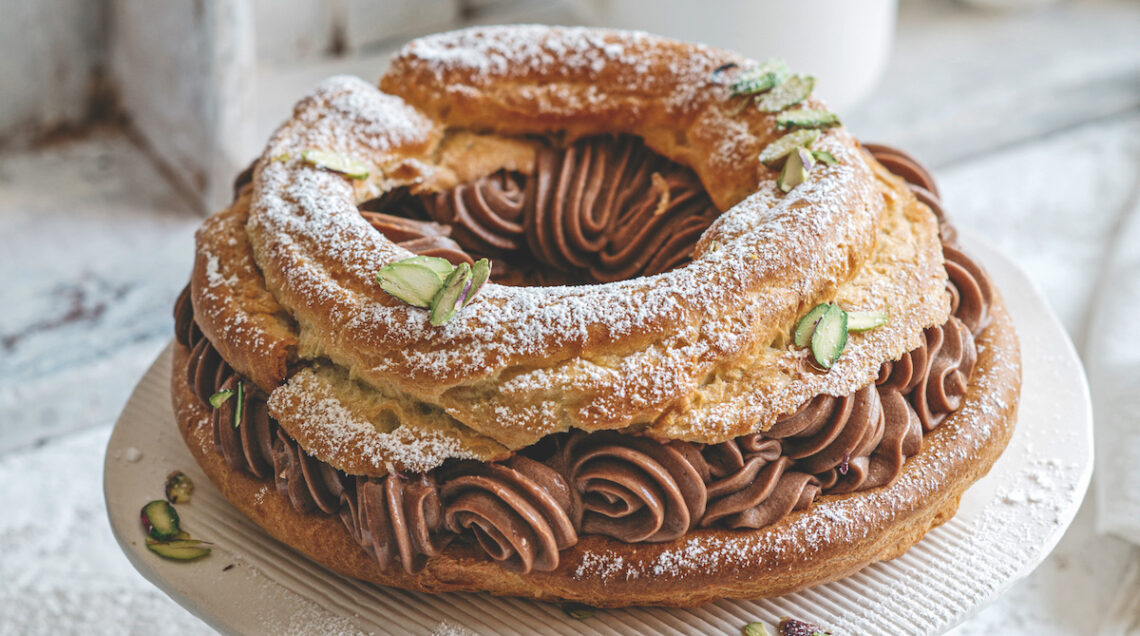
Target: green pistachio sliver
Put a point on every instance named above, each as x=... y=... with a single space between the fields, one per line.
x=829 y=337
x=178 y=487
x=160 y=520
x=775 y=152
x=764 y=77
x=807 y=118
x=440 y=266
x=240 y=404
x=792 y=91
x=336 y=162
x=806 y=325
x=578 y=611
x=179 y=549
x=796 y=168
x=865 y=320
x=413 y=283
x=219 y=398
x=824 y=156
x=446 y=301
x=740 y=105
x=480 y=272
x=756 y=629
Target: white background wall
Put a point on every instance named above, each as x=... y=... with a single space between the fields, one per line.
x=51 y=52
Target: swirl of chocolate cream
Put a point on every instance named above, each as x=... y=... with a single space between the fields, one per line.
x=419 y=237
x=902 y=437
x=660 y=232
x=833 y=438
x=576 y=193
x=486 y=215
x=395 y=518
x=519 y=511
x=309 y=483
x=246 y=443
x=971 y=290
x=186 y=331
x=206 y=370
x=905 y=373
x=349 y=514
x=614 y=208
x=951 y=354
x=758 y=494
x=726 y=458
x=635 y=489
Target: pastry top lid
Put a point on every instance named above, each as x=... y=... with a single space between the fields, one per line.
x=698 y=353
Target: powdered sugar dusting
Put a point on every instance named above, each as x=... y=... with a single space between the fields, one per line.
x=447 y=628
x=484 y=54
x=840 y=521
x=604 y=565
x=523 y=362
x=309 y=409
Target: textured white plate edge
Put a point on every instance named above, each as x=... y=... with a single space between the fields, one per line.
x=1004 y=272
x=180 y=581
x=1026 y=304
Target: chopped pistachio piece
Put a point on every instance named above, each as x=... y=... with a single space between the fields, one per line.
x=441 y=266
x=240 y=404
x=446 y=301
x=413 y=283
x=160 y=520
x=480 y=272
x=578 y=611
x=792 y=91
x=220 y=398
x=763 y=77
x=179 y=549
x=865 y=320
x=336 y=162
x=178 y=487
x=824 y=156
x=829 y=337
x=742 y=103
x=756 y=629
x=807 y=118
x=775 y=152
x=796 y=168
x=806 y=326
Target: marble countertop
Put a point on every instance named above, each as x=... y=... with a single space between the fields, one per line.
x=1029 y=120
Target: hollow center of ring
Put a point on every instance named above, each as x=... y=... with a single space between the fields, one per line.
x=601 y=209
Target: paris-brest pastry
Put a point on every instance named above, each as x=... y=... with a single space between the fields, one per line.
x=593 y=316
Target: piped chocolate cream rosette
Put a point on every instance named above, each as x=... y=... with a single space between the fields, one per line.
x=724 y=350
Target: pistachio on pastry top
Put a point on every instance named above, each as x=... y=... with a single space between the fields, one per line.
x=696 y=352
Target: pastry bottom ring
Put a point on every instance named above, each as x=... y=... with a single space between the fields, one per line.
x=834 y=537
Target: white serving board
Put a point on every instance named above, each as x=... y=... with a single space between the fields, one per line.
x=1007 y=524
